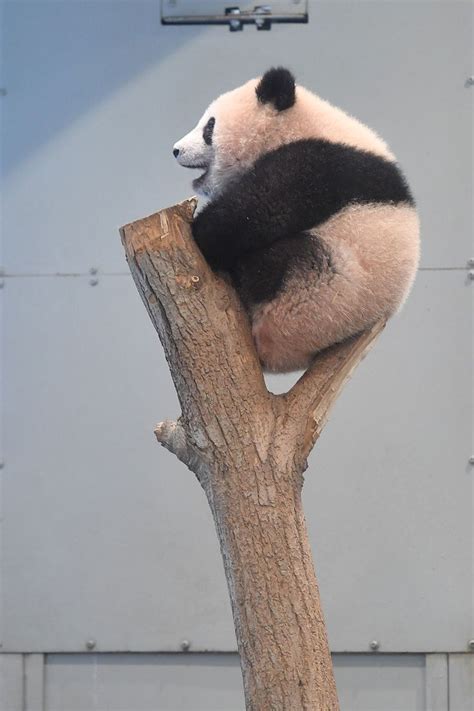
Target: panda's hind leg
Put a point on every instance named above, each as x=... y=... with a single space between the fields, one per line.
x=320 y=303
x=291 y=326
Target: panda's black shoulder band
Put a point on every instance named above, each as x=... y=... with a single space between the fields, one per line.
x=290 y=190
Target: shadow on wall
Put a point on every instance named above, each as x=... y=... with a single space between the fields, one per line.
x=75 y=53
x=99 y=91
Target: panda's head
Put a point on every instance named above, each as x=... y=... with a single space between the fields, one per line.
x=237 y=128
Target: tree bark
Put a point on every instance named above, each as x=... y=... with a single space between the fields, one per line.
x=248 y=449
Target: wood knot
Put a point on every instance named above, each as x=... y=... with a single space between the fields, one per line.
x=188 y=281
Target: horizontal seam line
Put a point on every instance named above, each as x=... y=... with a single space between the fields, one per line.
x=63 y=275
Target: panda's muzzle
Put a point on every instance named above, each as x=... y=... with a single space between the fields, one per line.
x=190 y=156
x=196 y=166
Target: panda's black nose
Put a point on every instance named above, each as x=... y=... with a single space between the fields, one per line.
x=176 y=152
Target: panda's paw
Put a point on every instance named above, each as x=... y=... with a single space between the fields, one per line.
x=277 y=351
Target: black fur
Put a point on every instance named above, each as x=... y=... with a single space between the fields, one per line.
x=289 y=191
x=259 y=276
x=208 y=131
x=278 y=87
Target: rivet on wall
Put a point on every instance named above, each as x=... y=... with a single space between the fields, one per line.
x=93 y=271
x=374 y=645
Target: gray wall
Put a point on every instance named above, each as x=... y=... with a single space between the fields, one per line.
x=105 y=536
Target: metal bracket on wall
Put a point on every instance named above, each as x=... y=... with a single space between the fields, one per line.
x=181 y=12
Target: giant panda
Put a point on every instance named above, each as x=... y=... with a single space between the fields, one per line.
x=308 y=212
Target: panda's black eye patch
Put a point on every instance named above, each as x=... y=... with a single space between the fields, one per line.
x=208 y=131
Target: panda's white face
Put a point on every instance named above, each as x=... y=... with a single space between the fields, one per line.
x=234 y=130
x=197 y=150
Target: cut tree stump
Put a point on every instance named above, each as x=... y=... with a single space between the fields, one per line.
x=248 y=449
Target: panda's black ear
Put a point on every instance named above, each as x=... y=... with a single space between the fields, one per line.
x=278 y=87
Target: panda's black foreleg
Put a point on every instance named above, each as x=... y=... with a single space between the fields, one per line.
x=261 y=207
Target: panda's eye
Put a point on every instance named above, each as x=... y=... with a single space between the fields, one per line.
x=208 y=131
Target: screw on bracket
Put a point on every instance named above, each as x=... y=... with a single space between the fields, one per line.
x=374 y=645
x=185 y=645
x=471 y=461
x=470 y=645
x=469 y=82
x=91 y=644
x=235 y=25
x=263 y=23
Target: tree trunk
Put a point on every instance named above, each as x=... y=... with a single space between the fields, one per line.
x=249 y=450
